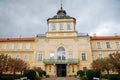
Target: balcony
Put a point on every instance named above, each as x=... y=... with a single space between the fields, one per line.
x=57 y=61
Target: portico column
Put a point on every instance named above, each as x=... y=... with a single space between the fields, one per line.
x=78 y=66
x=45 y=67
x=55 y=69
x=68 y=70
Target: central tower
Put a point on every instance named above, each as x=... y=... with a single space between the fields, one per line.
x=61 y=25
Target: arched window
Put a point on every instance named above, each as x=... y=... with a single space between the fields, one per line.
x=61 y=53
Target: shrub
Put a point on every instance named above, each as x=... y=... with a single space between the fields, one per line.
x=30 y=74
x=90 y=74
x=83 y=78
x=42 y=73
x=80 y=73
x=10 y=76
x=112 y=76
x=6 y=78
x=37 y=77
x=96 y=74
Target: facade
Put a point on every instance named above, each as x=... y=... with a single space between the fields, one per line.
x=62 y=51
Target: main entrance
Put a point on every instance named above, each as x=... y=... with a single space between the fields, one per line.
x=61 y=70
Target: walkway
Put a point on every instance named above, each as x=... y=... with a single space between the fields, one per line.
x=61 y=78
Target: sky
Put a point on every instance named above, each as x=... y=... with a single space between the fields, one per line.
x=27 y=18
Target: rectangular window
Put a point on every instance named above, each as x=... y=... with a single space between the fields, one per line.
x=107 y=44
x=51 y=55
x=117 y=44
x=53 y=27
x=4 y=46
x=68 y=27
x=61 y=26
x=84 y=69
x=27 y=45
x=26 y=58
x=83 y=56
x=19 y=45
x=98 y=45
x=70 y=56
x=9 y=56
x=12 y=46
x=39 y=57
x=18 y=56
x=100 y=56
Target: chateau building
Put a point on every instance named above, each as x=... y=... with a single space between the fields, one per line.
x=61 y=51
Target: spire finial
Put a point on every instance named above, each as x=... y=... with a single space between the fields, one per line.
x=61 y=5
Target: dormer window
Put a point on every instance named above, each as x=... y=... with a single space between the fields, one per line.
x=61 y=26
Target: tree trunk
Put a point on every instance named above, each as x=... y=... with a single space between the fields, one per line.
x=14 y=75
x=0 y=74
x=108 y=75
x=21 y=73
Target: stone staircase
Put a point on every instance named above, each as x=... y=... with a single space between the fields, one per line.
x=61 y=78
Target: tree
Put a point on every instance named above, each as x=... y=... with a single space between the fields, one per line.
x=115 y=57
x=102 y=64
x=106 y=65
x=37 y=69
x=17 y=65
x=3 y=63
x=97 y=65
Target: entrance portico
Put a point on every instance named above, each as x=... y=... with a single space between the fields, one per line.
x=61 y=68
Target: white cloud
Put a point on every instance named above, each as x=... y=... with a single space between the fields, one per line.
x=28 y=17
x=108 y=28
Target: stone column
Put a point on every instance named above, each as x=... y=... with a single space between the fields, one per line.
x=68 y=70
x=77 y=67
x=45 y=67
x=55 y=69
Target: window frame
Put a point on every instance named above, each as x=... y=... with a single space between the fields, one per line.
x=18 y=56
x=117 y=44
x=98 y=45
x=12 y=46
x=39 y=56
x=108 y=45
x=53 y=27
x=84 y=57
x=61 y=27
x=4 y=46
x=19 y=46
x=100 y=55
x=27 y=45
x=52 y=56
x=26 y=57
x=68 y=26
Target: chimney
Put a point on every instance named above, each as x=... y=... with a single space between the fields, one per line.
x=94 y=34
x=20 y=36
x=115 y=34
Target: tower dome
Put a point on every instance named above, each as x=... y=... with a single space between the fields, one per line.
x=61 y=13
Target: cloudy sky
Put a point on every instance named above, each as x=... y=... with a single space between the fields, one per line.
x=28 y=17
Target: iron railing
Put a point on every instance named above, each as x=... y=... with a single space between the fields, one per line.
x=58 y=61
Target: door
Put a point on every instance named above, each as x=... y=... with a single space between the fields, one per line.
x=61 y=70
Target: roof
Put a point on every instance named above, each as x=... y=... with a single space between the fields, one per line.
x=105 y=37
x=16 y=39
x=61 y=14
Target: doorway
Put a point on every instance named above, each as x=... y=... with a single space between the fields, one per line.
x=61 y=70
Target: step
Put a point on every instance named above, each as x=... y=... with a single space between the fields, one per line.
x=61 y=78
